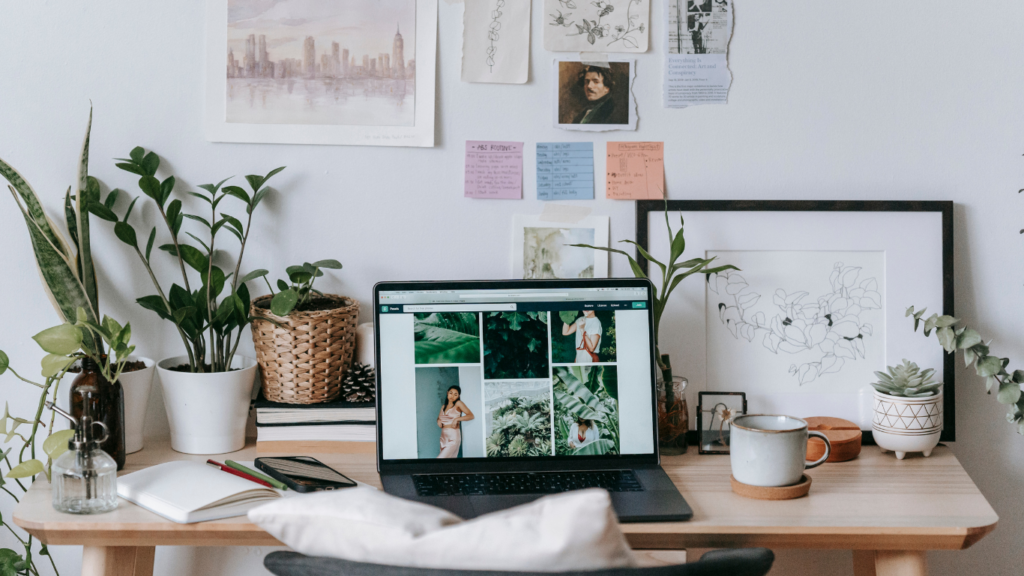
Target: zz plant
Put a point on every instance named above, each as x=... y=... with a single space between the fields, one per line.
x=976 y=353
x=210 y=329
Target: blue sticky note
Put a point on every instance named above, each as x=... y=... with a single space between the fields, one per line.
x=565 y=170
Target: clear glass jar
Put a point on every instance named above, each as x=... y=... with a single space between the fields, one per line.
x=673 y=416
x=84 y=481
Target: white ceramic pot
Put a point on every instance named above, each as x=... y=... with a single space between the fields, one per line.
x=904 y=425
x=137 y=386
x=207 y=412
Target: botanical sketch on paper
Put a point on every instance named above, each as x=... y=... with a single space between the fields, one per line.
x=496 y=41
x=547 y=253
x=494 y=32
x=597 y=25
x=324 y=63
x=814 y=311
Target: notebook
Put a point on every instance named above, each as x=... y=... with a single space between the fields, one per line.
x=187 y=492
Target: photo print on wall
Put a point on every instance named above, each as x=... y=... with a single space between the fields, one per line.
x=543 y=249
x=594 y=96
x=295 y=72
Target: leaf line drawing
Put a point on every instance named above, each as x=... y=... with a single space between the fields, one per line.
x=559 y=20
x=492 y=32
x=830 y=326
x=625 y=32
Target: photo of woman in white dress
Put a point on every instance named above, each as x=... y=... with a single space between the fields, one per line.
x=588 y=332
x=582 y=432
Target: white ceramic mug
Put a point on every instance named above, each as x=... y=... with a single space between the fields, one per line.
x=771 y=450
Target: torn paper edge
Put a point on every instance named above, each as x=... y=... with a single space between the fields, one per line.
x=633 y=115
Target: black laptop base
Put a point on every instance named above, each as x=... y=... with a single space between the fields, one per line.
x=656 y=500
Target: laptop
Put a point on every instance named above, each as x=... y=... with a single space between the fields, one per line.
x=492 y=394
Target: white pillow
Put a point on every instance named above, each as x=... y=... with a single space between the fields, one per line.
x=571 y=531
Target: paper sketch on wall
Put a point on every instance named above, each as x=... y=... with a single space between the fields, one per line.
x=496 y=41
x=302 y=71
x=597 y=25
x=808 y=332
x=544 y=249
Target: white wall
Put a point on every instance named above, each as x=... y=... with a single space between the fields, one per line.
x=831 y=100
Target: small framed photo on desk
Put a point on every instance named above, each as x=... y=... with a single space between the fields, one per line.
x=715 y=411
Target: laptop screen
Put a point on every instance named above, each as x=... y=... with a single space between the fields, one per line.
x=515 y=373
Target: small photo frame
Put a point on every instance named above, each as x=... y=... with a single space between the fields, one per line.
x=715 y=410
x=594 y=96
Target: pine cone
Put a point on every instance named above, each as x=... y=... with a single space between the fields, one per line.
x=359 y=384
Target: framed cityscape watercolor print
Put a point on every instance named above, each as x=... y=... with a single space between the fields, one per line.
x=817 y=305
x=291 y=72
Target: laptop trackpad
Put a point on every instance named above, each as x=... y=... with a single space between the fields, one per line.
x=485 y=504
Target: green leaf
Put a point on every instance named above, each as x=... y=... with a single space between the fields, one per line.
x=102 y=212
x=989 y=366
x=272 y=173
x=447 y=338
x=194 y=258
x=112 y=198
x=284 y=302
x=156 y=304
x=57 y=443
x=182 y=313
x=947 y=338
x=199 y=219
x=329 y=264
x=63 y=340
x=149 y=243
x=678 y=246
x=150 y=163
x=640 y=249
x=282 y=285
x=166 y=187
x=5 y=362
x=26 y=469
x=967 y=338
x=1009 y=393
x=598 y=447
x=568 y=316
x=131 y=167
x=126 y=233
x=237 y=192
x=150 y=186
x=137 y=153
x=253 y=275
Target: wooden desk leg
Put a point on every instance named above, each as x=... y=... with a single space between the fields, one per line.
x=889 y=563
x=118 y=560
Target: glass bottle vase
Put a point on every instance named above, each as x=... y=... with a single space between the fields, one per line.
x=673 y=414
x=94 y=396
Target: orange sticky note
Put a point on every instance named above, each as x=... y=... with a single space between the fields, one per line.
x=635 y=171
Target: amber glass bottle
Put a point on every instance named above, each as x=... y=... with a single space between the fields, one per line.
x=93 y=395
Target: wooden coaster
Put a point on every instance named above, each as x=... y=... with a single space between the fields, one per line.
x=845 y=437
x=797 y=490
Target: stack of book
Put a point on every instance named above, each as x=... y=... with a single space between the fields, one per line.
x=304 y=428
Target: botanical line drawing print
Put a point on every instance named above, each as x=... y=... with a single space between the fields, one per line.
x=625 y=32
x=567 y=4
x=559 y=20
x=492 y=33
x=830 y=327
x=594 y=29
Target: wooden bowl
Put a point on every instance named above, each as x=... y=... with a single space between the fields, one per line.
x=845 y=437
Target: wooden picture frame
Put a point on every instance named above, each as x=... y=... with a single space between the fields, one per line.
x=918 y=271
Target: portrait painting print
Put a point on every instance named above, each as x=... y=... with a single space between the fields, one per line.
x=301 y=71
x=595 y=96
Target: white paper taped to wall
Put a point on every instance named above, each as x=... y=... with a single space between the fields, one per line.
x=697 y=65
x=594 y=59
x=496 y=41
x=563 y=213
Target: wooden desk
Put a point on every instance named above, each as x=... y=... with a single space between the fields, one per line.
x=889 y=512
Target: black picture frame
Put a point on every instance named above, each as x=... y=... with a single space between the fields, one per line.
x=644 y=208
x=700 y=418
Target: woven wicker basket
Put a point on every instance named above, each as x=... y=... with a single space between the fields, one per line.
x=304 y=359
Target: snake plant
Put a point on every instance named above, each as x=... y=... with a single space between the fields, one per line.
x=65 y=264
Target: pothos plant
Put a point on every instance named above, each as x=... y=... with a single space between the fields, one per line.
x=210 y=330
x=993 y=369
x=64 y=344
x=672 y=274
x=297 y=295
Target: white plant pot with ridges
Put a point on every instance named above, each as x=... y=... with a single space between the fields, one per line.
x=904 y=425
x=136 y=385
x=207 y=412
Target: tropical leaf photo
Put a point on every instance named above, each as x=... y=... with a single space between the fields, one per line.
x=520 y=426
x=515 y=345
x=447 y=338
x=589 y=393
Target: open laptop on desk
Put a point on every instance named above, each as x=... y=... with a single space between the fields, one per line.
x=491 y=394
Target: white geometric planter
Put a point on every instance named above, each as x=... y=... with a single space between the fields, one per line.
x=904 y=425
x=207 y=412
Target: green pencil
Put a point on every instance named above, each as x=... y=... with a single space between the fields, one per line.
x=251 y=472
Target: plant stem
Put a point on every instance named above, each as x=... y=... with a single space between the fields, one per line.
x=160 y=291
x=18 y=376
x=177 y=249
x=241 y=250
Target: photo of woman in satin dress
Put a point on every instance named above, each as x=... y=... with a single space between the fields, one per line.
x=453 y=412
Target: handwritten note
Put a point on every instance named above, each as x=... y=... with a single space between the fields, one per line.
x=565 y=170
x=494 y=169
x=636 y=171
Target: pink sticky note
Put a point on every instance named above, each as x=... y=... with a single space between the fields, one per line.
x=494 y=169
x=636 y=171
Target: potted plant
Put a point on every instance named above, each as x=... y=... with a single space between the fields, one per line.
x=304 y=339
x=907 y=410
x=67 y=268
x=673 y=417
x=206 y=391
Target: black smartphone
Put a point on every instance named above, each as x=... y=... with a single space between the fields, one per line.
x=304 y=473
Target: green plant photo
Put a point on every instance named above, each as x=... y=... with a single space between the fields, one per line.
x=515 y=345
x=520 y=426
x=586 y=410
x=447 y=338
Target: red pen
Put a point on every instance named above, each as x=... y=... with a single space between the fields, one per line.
x=230 y=470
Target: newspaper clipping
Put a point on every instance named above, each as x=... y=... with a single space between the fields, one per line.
x=696 y=66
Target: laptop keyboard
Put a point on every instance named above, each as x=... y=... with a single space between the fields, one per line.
x=525 y=482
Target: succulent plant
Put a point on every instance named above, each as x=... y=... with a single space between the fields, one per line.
x=907 y=380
